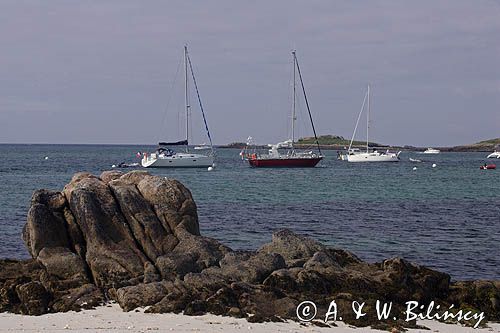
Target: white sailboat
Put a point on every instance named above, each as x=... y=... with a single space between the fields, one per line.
x=355 y=155
x=165 y=156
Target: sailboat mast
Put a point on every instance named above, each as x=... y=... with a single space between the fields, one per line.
x=186 y=94
x=201 y=104
x=294 y=117
x=368 y=119
x=305 y=99
x=357 y=121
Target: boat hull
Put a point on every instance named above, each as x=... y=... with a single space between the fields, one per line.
x=431 y=151
x=488 y=167
x=285 y=162
x=186 y=161
x=495 y=154
x=359 y=158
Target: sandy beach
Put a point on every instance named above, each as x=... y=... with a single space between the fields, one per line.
x=111 y=318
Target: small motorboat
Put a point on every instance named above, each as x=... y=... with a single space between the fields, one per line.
x=203 y=146
x=488 y=167
x=431 y=151
x=495 y=154
x=125 y=165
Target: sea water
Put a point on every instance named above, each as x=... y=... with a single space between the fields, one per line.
x=447 y=217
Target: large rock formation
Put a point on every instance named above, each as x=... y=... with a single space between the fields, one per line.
x=134 y=238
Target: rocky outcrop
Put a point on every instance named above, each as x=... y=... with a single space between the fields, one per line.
x=134 y=238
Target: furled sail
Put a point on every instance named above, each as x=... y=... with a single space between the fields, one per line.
x=176 y=143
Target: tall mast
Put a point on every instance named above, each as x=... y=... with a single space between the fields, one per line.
x=186 y=94
x=307 y=102
x=201 y=105
x=294 y=117
x=357 y=121
x=368 y=119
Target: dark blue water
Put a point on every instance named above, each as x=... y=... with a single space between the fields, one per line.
x=446 y=217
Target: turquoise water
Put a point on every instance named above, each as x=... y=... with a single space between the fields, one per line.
x=446 y=217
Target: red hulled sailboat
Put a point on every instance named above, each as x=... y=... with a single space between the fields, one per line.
x=284 y=154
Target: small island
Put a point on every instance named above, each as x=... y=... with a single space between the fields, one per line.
x=337 y=142
x=334 y=142
x=481 y=146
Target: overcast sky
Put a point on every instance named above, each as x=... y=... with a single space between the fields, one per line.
x=103 y=71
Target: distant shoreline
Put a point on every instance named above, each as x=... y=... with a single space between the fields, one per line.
x=334 y=142
x=462 y=148
x=456 y=149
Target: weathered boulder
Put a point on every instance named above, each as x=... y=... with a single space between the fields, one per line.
x=141 y=294
x=253 y=268
x=110 y=232
x=207 y=251
x=63 y=264
x=33 y=297
x=86 y=296
x=407 y=281
x=292 y=246
x=484 y=295
x=107 y=176
x=171 y=201
x=12 y=274
x=46 y=226
x=112 y=253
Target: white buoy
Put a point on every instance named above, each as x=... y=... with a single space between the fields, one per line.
x=414 y=168
x=434 y=165
x=46 y=157
x=113 y=166
x=210 y=168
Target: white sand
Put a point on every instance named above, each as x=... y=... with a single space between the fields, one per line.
x=112 y=319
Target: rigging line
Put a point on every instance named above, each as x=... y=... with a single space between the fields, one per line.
x=302 y=125
x=199 y=101
x=357 y=121
x=294 y=113
x=186 y=95
x=169 y=98
x=288 y=118
x=368 y=119
x=305 y=99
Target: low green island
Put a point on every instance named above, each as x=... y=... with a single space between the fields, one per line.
x=334 y=140
x=327 y=141
x=339 y=142
x=483 y=146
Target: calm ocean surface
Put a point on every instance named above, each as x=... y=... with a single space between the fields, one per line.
x=446 y=217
